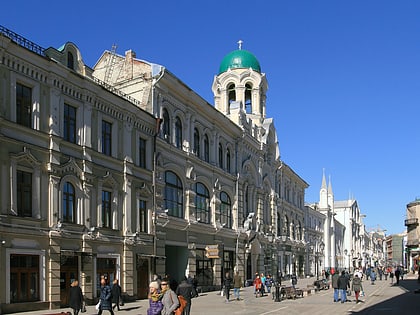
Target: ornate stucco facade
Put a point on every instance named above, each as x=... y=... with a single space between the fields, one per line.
x=122 y=170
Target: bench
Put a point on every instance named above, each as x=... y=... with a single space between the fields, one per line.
x=288 y=292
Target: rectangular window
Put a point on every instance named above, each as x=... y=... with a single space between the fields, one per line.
x=24 y=278
x=69 y=132
x=142 y=153
x=106 y=137
x=106 y=209
x=23 y=105
x=143 y=216
x=24 y=193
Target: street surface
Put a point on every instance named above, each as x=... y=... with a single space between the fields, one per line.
x=381 y=298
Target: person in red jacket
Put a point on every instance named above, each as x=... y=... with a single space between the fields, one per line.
x=257 y=285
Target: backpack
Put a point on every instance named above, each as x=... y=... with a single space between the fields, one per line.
x=182 y=303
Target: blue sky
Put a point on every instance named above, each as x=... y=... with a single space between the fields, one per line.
x=344 y=76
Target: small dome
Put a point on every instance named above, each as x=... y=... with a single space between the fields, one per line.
x=239 y=59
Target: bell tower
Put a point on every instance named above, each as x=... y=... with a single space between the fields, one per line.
x=240 y=88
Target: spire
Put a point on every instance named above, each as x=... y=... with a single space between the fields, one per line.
x=323 y=192
x=324 y=182
x=330 y=191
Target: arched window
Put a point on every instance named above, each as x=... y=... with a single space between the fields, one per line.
x=166 y=129
x=69 y=203
x=206 y=149
x=279 y=230
x=231 y=93
x=220 y=155
x=202 y=203
x=248 y=99
x=225 y=211
x=196 y=149
x=228 y=160
x=286 y=226
x=174 y=196
x=70 y=60
x=178 y=133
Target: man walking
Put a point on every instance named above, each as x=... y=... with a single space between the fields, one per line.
x=343 y=285
x=187 y=291
x=237 y=285
x=334 y=283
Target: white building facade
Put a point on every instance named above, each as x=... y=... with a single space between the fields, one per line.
x=123 y=171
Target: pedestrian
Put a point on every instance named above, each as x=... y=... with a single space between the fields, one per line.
x=294 y=280
x=397 y=275
x=373 y=276
x=268 y=283
x=169 y=299
x=334 y=283
x=257 y=285
x=105 y=297
x=343 y=285
x=187 y=291
x=227 y=282
x=391 y=276
x=195 y=285
x=356 y=286
x=116 y=295
x=154 y=296
x=75 y=297
x=237 y=285
x=263 y=278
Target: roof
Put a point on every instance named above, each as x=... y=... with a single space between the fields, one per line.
x=239 y=59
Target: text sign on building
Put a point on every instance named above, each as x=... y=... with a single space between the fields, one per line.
x=212 y=251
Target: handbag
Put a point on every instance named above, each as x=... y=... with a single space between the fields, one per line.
x=98 y=306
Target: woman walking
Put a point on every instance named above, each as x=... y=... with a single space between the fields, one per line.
x=169 y=299
x=356 y=286
x=155 y=303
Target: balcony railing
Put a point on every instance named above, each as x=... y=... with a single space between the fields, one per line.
x=22 y=41
x=409 y=222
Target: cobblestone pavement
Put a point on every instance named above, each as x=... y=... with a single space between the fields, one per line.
x=381 y=298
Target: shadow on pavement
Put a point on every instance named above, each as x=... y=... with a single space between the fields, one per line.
x=402 y=304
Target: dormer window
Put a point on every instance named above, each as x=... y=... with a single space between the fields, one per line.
x=70 y=60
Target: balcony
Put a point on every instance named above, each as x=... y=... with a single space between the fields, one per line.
x=410 y=222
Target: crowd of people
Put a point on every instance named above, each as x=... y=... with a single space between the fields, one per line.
x=344 y=283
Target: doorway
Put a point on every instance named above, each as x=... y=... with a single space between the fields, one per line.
x=68 y=273
x=142 y=278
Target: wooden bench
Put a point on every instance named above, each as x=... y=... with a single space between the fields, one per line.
x=289 y=292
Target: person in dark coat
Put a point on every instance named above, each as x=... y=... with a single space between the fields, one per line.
x=227 y=282
x=187 y=291
x=75 y=297
x=334 y=283
x=105 y=298
x=116 y=294
x=343 y=285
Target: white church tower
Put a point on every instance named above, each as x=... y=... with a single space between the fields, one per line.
x=240 y=88
x=326 y=207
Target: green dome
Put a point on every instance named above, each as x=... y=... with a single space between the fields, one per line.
x=238 y=59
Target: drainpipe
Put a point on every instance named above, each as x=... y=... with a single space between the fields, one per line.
x=156 y=133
